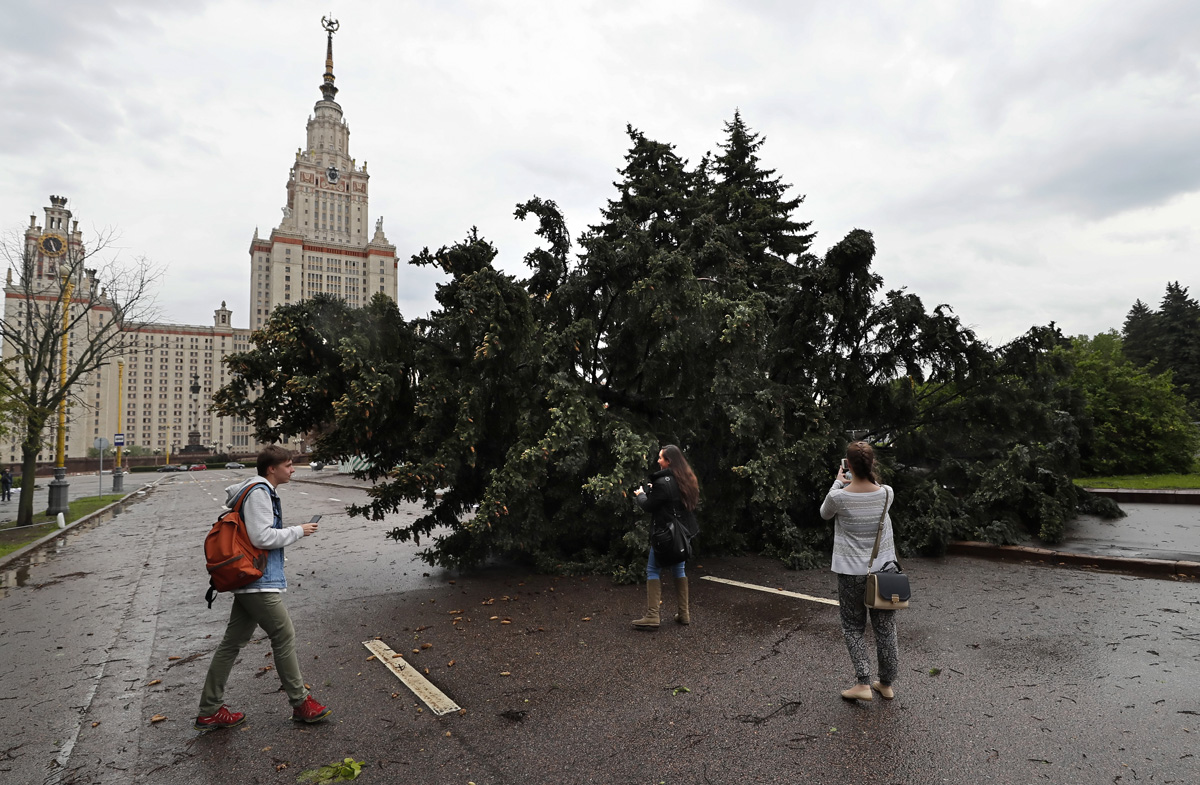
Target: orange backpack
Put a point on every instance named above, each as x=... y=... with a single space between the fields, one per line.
x=233 y=561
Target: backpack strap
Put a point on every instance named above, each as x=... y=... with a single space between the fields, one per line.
x=241 y=500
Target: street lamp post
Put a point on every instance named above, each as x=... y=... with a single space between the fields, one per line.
x=195 y=389
x=118 y=483
x=100 y=443
x=57 y=501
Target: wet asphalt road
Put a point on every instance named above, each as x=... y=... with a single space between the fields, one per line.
x=1151 y=531
x=1013 y=673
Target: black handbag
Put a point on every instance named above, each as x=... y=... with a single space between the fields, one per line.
x=672 y=544
x=887 y=588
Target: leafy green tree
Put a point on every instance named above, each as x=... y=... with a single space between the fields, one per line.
x=1136 y=421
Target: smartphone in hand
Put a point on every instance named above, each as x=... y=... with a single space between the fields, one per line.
x=314 y=519
x=846 y=468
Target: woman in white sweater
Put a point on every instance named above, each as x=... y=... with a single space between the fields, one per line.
x=857 y=500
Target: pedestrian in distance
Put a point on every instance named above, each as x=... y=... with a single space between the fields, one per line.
x=6 y=482
x=671 y=496
x=260 y=604
x=856 y=501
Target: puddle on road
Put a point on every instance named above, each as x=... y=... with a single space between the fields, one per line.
x=18 y=573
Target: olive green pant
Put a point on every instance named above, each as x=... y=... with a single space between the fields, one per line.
x=250 y=611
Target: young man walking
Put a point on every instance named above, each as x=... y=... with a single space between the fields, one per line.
x=260 y=604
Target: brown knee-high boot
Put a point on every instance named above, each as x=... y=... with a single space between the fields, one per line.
x=681 y=591
x=653 y=597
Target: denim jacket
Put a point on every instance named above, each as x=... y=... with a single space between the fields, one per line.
x=273 y=578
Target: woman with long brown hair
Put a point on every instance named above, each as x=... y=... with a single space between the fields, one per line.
x=861 y=504
x=671 y=497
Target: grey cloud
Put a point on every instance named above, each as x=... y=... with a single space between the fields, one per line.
x=1125 y=174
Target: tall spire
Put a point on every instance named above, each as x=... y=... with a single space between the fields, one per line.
x=327 y=88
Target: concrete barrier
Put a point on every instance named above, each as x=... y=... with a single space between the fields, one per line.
x=1161 y=496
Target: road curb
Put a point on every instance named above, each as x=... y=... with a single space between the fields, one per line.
x=17 y=554
x=1151 y=568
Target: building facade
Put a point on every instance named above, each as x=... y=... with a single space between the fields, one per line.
x=158 y=392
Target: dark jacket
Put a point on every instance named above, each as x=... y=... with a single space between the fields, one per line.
x=662 y=501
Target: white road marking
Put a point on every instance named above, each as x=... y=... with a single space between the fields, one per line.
x=768 y=589
x=64 y=754
x=333 y=499
x=434 y=698
x=303 y=493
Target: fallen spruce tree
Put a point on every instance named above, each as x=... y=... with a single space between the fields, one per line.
x=522 y=411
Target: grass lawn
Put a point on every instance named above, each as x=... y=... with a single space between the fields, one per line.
x=1145 y=482
x=13 y=537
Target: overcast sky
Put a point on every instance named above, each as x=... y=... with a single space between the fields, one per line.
x=1021 y=161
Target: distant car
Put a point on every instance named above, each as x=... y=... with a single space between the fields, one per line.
x=171 y=467
x=317 y=466
x=235 y=465
x=197 y=467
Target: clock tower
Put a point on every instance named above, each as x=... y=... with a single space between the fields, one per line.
x=324 y=244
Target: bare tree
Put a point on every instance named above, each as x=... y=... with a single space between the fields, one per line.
x=109 y=299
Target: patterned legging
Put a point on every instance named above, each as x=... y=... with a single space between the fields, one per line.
x=854 y=622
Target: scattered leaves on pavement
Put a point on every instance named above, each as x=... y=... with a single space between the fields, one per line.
x=338 y=771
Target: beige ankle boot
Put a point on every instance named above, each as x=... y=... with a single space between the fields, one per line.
x=653 y=598
x=681 y=590
x=859 y=692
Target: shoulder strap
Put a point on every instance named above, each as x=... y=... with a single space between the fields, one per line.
x=879 y=532
x=241 y=500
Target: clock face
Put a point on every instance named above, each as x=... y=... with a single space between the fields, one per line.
x=332 y=174
x=52 y=245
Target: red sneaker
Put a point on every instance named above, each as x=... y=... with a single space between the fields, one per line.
x=310 y=711
x=222 y=718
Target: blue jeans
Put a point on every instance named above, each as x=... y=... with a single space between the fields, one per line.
x=653 y=572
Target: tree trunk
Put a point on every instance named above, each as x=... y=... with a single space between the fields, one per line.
x=29 y=454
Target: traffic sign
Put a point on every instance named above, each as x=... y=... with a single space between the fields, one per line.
x=118 y=440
